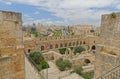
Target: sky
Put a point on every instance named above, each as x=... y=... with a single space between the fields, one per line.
x=61 y=12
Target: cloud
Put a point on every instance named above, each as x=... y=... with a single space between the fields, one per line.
x=45 y=21
x=28 y=18
x=37 y=12
x=74 y=11
x=6 y=2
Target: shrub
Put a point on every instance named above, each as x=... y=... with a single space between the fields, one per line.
x=67 y=63
x=39 y=60
x=36 y=57
x=79 y=49
x=78 y=70
x=88 y=75
x=44 y=64
x=62 y=51
x=113 y=15
x=63 y=64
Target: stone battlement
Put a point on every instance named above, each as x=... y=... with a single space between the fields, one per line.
x=10 y=16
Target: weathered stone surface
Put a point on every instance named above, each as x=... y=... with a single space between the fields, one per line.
x=11 y=46
x=108 y=51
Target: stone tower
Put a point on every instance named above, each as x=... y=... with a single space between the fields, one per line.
x=108 y=51
x=110 y=29
x=11 y=46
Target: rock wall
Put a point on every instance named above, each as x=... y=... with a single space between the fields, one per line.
x=110 y=29
x=105 y=62
x=31 y=71
x=108 y=51
x=11 y=46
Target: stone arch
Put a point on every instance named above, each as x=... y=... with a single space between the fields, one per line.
x=42 y=48
x=87 y=47
x=93 y=47
x=29 y=50
x=65 y=44
x=80 y=42
x=77 y=43
x=73 y=43
x=70 y=44
x=68 y=52
x=56 y=46
x=84 y=42
x=51 y=46
x=61 y=45
x=87 y=61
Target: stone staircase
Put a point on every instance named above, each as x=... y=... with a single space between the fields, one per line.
x=112 y=74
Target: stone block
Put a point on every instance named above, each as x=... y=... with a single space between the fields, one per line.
x=8 y=42
x=8 y=51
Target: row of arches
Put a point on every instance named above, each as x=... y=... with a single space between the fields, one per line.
x=64 y=45
x=61 y=45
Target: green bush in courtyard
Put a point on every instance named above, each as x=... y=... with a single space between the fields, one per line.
x=79 y=49
x=36 y=57
x=78 y=70
x=63 y=64
x=88 y=75
x=62 y=51
x=44 y=64
x=39 y=60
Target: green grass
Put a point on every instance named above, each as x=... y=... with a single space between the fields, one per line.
x=58 y=33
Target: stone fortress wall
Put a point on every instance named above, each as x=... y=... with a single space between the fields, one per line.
x=108 y=51
x=31 y=71
x=11 y=46
x=110 y=30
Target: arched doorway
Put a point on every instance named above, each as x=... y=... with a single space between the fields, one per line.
x=77 y=43
x=56 y=46
x=69 y=44
x=29 y=50
x=73 y=43
x=93 y=47
x=51 y=46
x=65 y=44
x=61 y=45
x=87 y=61
x=42 y=47
x=80 y=42
x=84 y=42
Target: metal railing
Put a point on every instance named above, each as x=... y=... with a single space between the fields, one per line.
x=112 y=74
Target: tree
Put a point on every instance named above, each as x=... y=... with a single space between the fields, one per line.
x=79 y=49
